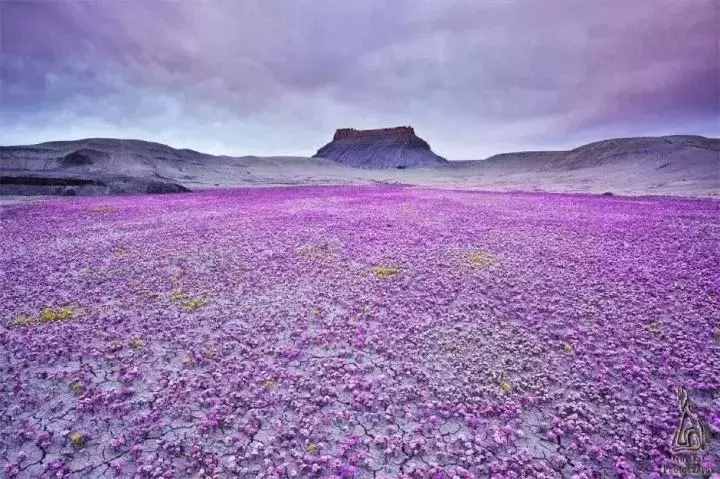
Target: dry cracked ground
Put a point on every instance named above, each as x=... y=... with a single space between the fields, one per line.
x=357 y=332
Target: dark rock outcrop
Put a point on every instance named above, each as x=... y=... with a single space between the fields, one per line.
x=156 y=187
x=47 y=181
x=83 y=157
x=72 y=186
x=97 y=166
x=382 y=148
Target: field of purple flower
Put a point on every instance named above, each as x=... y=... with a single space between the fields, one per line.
x=356 y=332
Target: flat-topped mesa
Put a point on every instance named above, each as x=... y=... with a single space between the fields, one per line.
x=397 y=147
x=397 y=132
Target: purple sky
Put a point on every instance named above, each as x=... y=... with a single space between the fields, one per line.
x=269 y=77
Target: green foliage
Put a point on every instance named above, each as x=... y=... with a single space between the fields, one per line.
x=24 y=320
x=385 y=272
x=77 y=388
x=178 y=296
x=506 y=387
x=194 y=304
x=77 y=439
x=186 y=302
x=481 y=259
x=52 y=315
x=654 y=328
x=47 y=315
x=269 y=384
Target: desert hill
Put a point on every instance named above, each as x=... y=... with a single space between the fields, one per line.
x=670 y=165
x=381 y=148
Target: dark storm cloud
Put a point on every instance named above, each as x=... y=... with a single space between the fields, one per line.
x=277 y=77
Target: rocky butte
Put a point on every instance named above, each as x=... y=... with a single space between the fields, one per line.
x=381 y=148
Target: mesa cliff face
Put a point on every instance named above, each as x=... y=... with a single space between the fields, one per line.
x=381 y=148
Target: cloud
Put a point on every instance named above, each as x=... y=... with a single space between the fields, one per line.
x=474 y=78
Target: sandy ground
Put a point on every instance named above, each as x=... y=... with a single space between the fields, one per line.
x=19 y=199
x=620 y=181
